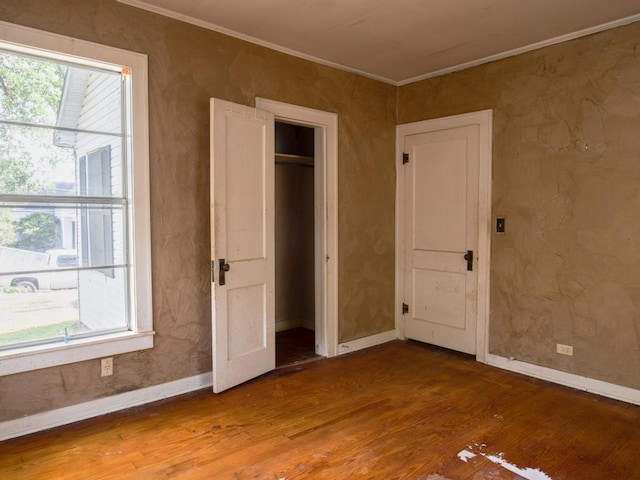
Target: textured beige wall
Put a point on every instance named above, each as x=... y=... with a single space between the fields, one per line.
x=187 y=66
x=566 y=170
x=566 y=176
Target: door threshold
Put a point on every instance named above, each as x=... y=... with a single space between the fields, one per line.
x=303 y=361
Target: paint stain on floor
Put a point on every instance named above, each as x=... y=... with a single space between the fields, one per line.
x=527 y=473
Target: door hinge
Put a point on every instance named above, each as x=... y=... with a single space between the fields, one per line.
x=405 y=308
x=405 y=158
x=213 y=277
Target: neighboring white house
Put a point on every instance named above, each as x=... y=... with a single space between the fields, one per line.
x=91 y=104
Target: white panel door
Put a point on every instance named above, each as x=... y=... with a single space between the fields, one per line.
x=242 y=243
x=441 y=227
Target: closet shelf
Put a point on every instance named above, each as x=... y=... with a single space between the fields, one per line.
x=289 y=160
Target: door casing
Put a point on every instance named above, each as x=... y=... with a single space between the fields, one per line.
x=484 y=120
x=325 y=125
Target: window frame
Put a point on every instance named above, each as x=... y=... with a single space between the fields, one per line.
x=24 y=40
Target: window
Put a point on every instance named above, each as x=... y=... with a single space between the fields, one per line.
x=75 y=276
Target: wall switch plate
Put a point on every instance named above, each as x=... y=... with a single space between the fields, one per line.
x=106 y=366
x=564 y=349
x=500 y=225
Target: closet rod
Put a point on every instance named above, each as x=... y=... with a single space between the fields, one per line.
x=291 y=164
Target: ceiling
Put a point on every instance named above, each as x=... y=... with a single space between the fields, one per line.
x=401 y=41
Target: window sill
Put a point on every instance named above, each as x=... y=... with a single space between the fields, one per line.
x=51 y=355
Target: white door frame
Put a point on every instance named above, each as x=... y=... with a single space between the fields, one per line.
x=484 y=120
x=325 y=125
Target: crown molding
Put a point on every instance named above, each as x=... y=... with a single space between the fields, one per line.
x=279 y=48
x=248 y=38
x=528 y=48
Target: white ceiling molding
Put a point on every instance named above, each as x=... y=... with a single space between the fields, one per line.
x=528 y=48
x=461 y=39
x=250 y=39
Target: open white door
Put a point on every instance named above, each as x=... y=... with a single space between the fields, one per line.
x=242 y=243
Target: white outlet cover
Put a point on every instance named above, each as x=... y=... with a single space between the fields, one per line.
x=106 y=365
x=564 y=349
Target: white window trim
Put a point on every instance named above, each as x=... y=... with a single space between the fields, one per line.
x=24 y=40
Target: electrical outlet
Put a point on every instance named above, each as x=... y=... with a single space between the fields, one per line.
x=564 y=349
x=106 y=365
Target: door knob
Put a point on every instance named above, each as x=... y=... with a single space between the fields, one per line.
x=224 y=267
x=469 y=258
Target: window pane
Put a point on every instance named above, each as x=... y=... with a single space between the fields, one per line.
x=42 y=92
x=57 y=235
x=29 y=232
x=102 y=299
x=32 y=164
x=32 y=89
x=91 y=100
x=99 y=168
x=75 y=303
x=26 y=319
x=101 y=236
x=50 y=275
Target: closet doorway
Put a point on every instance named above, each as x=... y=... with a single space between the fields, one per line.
x=305 y=232
x=294 y=243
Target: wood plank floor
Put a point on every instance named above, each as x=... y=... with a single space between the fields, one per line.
x=402 y=410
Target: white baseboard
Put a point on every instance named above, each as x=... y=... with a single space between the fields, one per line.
x=591 y=385
x=366 y=342
x=94 y=408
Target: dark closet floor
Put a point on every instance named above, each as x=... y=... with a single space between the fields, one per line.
x=294 y=346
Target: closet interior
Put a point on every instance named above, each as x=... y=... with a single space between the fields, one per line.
x=294 y=243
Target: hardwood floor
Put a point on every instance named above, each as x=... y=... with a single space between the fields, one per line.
x=402 y=410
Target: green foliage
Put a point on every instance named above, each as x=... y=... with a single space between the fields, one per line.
x=12 y=290
x=30 y=92
x=30 y=89
x=37 y=232
x=7 y=228
x=15 y=171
